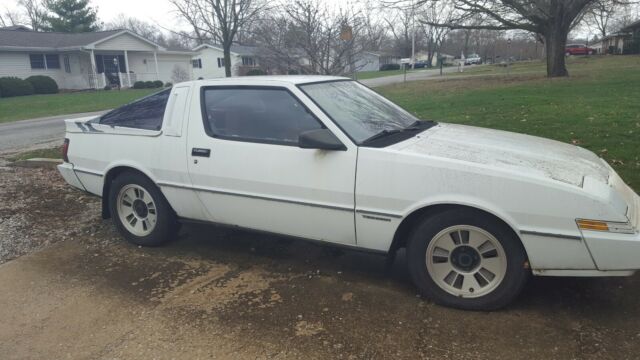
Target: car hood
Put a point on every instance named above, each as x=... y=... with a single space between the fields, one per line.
x=512 y=151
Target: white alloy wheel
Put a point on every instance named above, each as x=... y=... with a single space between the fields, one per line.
x=466 y=261
x=136 y=210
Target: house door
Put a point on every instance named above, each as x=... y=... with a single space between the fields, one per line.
x=112 y=65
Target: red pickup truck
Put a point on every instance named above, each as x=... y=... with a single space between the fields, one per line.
x=579 y=49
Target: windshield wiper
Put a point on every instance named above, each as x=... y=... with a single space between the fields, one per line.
x=383 y=133
x=416 y=125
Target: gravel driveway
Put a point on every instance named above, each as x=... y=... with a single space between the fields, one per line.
x=222 y=293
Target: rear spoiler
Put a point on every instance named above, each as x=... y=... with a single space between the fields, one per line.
x=87 y=125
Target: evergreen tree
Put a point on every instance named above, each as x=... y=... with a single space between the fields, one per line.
x=70 y=16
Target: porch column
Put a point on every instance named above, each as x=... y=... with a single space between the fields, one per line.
x=155 y=58
x=126 y=64
x=94 y=69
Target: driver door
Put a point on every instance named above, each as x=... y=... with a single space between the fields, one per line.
x=247 y=168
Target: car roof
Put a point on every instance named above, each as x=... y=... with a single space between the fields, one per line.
x=262 y=79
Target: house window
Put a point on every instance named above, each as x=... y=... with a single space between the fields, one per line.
x=67 y=64
x=52 y=61
x=37 y=61
x=44 y=61
x=196 y=63
x=248 y=61
x=220 y=62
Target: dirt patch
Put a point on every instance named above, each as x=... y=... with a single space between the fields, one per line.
x=37 y=208
x=222 y=293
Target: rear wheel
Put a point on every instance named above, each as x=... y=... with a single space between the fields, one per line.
x=140 y=211
x=467 y=259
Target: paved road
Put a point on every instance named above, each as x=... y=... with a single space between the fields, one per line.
x=25 y=133
x=411 y=76
x=21 y=134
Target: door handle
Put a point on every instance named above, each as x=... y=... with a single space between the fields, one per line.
x=200 y=152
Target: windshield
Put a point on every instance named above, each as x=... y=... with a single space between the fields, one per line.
x=358 y=111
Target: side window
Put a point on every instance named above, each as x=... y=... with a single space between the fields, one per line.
x=269 y=115
x=146 y=113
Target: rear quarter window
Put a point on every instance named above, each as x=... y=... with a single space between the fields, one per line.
x=146 y=113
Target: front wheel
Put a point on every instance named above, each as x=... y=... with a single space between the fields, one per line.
x=140 y=211
x=467 y=259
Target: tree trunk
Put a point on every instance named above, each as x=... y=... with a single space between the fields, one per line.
x=227 y=59
x=555 y=46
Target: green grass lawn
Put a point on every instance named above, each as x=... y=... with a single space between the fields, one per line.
x=34 y=106
x=598 y=107
x=50 y=153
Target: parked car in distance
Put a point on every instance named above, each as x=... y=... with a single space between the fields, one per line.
x=473 y=59
x=477 y=210
x=387 y=67
x=579 y=49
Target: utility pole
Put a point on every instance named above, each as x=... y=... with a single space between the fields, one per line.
x=508 y=56
x=413 y=35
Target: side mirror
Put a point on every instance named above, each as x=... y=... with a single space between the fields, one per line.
x=321 y=139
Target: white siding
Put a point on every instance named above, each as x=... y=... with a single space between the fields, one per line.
x=210 y=67
x=144 y=68
x=368 y=62
x=18 y=64
x=125 y=42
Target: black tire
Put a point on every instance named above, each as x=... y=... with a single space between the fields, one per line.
x=515 y=277
x=166 y=226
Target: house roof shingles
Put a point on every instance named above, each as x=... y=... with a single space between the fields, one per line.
x=51 y=40
x=237 y=49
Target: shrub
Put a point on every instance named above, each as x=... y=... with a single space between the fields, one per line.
x=256 y=72
x=168 y=85
x=386 y=67
x=293 y=72
x=43 y=84
x=157 y=84
x=149 y=84
x=139 y=85
x=108 y=87
x=13 y=86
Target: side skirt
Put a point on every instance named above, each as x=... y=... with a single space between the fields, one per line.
x=292 y=237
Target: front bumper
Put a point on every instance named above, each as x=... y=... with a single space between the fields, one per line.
x=614 y=251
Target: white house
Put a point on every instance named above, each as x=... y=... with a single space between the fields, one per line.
x=367 y=61
x=90 y=60
x=208 y=62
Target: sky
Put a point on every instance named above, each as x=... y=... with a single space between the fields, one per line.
x=159 y=12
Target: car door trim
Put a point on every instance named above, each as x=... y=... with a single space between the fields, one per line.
x=558 y=236
x=374 y=214
x=84 y=171
x=252 y=196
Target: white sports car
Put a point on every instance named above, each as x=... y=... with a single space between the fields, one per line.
x=327 y=159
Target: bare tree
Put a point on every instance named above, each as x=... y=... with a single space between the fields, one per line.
x=374 y=30
x=36 y=12
x=179 y=74
x=399 y=21
x=219 y=20
x=10 y=18
x=327 y=39
x=435 y=12
x=140 y=27
x=551 y=20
